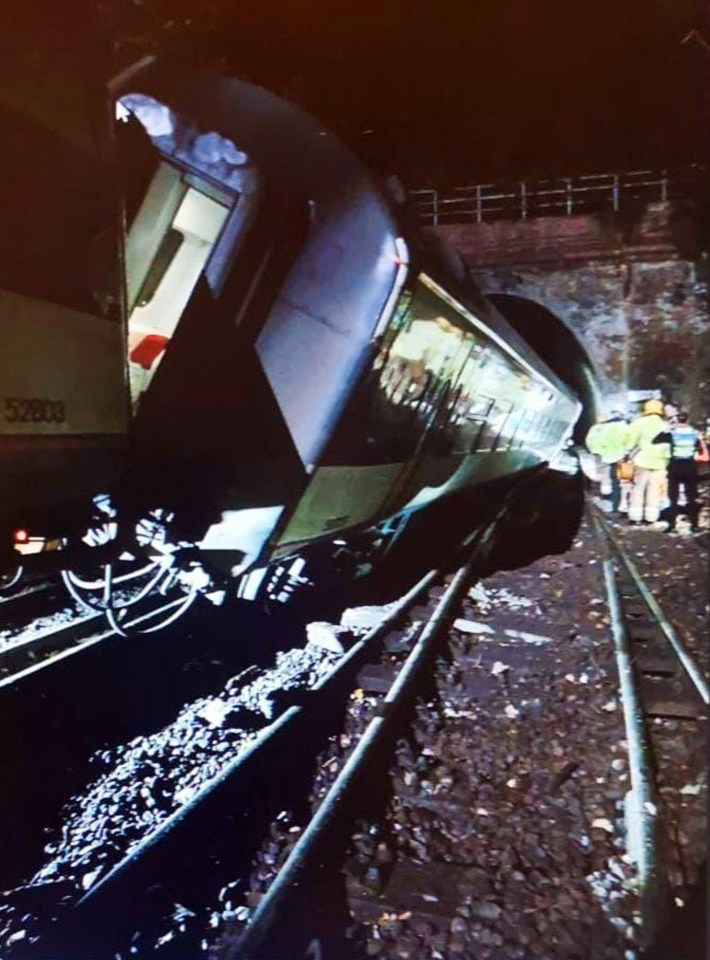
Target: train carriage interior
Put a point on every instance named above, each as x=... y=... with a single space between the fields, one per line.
x=436 y=373
x=166 y=251
x=193 y=186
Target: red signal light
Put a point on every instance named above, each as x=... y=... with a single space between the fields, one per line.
x=20 y=536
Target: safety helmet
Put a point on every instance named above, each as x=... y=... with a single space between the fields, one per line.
x=653 y=406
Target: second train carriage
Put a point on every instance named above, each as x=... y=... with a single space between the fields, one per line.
x=302 y=367
x=64 y=412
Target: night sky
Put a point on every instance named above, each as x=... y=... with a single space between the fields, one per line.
x=466 y=91
x=488 y=89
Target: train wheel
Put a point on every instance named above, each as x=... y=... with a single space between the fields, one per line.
x=10 y=579
x=144 y=589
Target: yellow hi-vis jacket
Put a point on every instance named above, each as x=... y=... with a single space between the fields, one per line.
x=608 y=440
x=647 y=454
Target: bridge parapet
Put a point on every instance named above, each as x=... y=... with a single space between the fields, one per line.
x=554 y=197
x=623 y=261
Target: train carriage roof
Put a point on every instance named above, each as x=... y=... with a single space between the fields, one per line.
x=288 y=145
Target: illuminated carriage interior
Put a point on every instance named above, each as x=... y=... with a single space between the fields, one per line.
x=438 y=368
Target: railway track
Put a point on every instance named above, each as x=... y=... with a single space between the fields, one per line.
x=40 y=626
x=36 y=650
x=211 y=809
x=30 y=607
x=664 y=698
x=308 y=853
x=207 y=821
x=15 y=593
x=221 y=816
x=47 y=638
x=665 y=701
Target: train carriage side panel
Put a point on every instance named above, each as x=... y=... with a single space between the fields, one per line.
x=63 y=385
x=441 y=407
x=326 y=341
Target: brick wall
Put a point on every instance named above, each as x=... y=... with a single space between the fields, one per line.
x=633 y=286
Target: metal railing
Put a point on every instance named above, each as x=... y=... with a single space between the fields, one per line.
x=559 y=197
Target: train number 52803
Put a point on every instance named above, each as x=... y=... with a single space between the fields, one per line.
x=34 y=410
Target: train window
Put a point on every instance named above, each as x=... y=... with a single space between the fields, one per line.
x=478 y=417
x=410 y=386
x=501 y=418
x=496 y=378
x=173 y=234
x=467 y=414
x=425 y=355
x=434 y=375
x=543 y=428
x=524 y=431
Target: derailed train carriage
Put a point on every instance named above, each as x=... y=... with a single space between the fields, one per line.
x=305 y=372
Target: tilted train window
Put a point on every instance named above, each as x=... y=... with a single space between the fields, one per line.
x=186 y=181
x=435 y=386
x=409 y=389
x=524 y=431
x=467 y=411
x=479 y=416
x=500 y=427
x=420 y=374
x=169 y=243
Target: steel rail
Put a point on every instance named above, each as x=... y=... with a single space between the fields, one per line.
x=289 y=716
x=296 y=863
x=679 y=648
x=302 y=852
x=10 y=594
x=643 y=798
x=25 y=638
x=79 y=647
x=264 y=736
x=50 y=661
